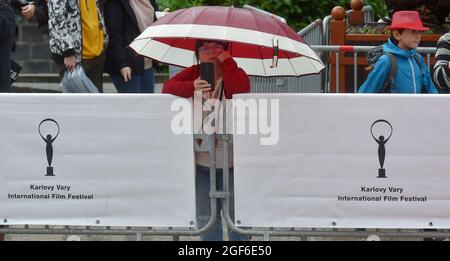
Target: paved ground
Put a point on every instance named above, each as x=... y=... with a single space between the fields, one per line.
x=28 y=87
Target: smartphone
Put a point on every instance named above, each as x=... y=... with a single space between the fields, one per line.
x=207 y=73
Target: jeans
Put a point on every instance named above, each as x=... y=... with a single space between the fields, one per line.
x=144 y=83
x=202 y=181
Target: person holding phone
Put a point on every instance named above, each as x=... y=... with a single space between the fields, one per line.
x=229 y=79
x=226 y=71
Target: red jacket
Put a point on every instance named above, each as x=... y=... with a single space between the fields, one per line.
x=235 y=80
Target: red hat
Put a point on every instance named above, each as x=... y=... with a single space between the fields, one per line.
x=407 y=20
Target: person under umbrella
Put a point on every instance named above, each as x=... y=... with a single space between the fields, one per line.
x=260 y=44
x=239 y=42
x=229 y=79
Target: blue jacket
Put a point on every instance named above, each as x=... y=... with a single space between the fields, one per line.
x=408 y=78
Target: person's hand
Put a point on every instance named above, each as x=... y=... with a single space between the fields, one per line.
x=202 y=85
x=126 y=73
x=70 y=62
x=28 y=11
x=449 y=65
x=223 y=56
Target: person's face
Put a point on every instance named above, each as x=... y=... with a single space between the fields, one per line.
x=209 y=51
x=408 y=39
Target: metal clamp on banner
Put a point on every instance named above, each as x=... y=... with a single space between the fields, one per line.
x=219 y=194
x=275 y=53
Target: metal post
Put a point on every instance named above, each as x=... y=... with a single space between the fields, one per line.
x=355 y=71
x=226 y=170
x=337 y=72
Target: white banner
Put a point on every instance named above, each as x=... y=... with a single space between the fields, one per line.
x=108 y=160
x=348 y=161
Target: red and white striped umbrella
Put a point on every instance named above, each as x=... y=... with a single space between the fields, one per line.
x=261 y=45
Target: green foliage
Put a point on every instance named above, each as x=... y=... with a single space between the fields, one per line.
x=298 y=13
x=368 y=29
x=379 y=8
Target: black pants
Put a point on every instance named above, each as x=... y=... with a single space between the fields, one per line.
x=6 y=44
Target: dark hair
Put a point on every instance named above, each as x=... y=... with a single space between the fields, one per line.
x=395 y=41
x=199 y=43
x=18 y=4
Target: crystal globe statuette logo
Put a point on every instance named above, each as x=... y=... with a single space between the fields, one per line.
x=381 y=141
x=49 y=139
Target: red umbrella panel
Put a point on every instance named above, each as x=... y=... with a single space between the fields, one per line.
x=260 y=44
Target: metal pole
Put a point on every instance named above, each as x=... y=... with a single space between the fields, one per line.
x=337 y=72
x=355 y=72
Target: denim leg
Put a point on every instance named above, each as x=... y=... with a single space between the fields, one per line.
x=148 y=81
x=234 y=236
x=132 y=86
x=203 y=206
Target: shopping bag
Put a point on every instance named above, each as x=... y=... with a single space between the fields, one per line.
x=76 y=81
x=67 y=85
x=80 y=77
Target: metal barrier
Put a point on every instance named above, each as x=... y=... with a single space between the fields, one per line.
x=313 y=33
x=207 y=145
x=305 y=233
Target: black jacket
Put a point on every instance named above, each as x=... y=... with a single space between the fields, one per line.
x=122 y=28
x=7 y=32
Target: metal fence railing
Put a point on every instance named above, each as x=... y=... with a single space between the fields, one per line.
x=313 y=33
x=317 y=34
x=321 y=82
x=355 y=52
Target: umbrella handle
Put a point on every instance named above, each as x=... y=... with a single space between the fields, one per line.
x=275 y=53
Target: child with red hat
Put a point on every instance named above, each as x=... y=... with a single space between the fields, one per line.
x=412 y=74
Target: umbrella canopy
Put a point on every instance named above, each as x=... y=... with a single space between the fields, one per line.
x=260 y=44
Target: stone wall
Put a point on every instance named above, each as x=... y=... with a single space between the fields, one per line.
x=33 y=54
x=32 y=50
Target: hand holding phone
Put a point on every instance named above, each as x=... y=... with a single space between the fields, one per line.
x=207 y=73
